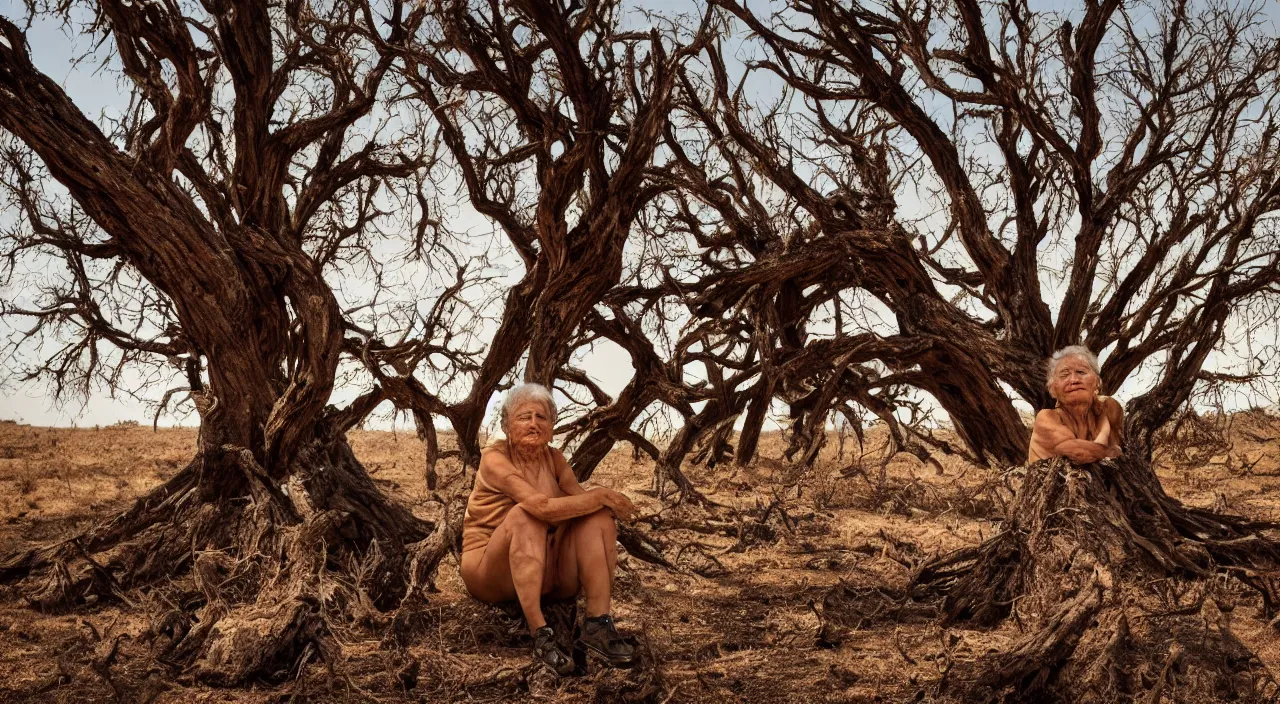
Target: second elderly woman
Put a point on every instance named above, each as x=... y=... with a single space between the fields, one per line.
x=1085 y=426
x=531 y=530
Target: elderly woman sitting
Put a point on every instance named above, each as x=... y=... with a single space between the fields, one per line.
x=1085 y=427
x=531 y=530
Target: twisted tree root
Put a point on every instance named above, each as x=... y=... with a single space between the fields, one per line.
x=1113 y=582
x=268 y=569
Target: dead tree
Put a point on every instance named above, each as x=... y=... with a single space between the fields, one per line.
x=663 y=383
x=551 y=117
x=593 y=434
x=1159 y=204
x=199 y=230
x=742 y=329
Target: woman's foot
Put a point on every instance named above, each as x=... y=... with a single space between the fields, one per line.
x=599 y=636
x=548 y=652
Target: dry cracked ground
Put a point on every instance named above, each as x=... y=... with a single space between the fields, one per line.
x=743 y=617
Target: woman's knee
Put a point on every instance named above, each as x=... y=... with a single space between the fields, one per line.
x=522 y=521
x=601 y=521
x=528 y=534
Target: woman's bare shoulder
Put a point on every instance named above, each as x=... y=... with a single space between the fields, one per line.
x=1047 y=415
x=1110 y=406
x=494 y=460
x=499 y=446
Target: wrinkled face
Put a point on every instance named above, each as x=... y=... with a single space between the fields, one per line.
x=529 y=424
x=1074 y=381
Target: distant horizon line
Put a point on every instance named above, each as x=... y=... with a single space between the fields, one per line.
x=448 y=429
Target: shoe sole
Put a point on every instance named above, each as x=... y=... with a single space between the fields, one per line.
x=606 y=658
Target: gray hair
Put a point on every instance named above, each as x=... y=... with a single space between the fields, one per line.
x=527 y=392
x=1072 y=351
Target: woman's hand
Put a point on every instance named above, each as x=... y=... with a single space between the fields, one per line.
x=621 y=506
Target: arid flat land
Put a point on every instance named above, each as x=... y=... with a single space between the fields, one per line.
x=749 y=614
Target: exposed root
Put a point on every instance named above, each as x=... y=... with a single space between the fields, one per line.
x=282 y=628
x=642 y=546
x=263 y=574
x=1109 y=579
x=847 y=608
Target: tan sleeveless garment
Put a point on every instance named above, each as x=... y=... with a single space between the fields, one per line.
x=488 y=506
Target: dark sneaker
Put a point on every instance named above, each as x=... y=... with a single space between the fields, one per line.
x=600 y=637
x=547 y=652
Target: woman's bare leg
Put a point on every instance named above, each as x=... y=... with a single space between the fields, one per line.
x=513 y=566
x=588 y=558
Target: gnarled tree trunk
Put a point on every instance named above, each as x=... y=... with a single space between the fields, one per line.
x=1115 y=586
x=274 y=523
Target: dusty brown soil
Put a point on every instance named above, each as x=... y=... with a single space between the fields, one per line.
x=740 y=620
